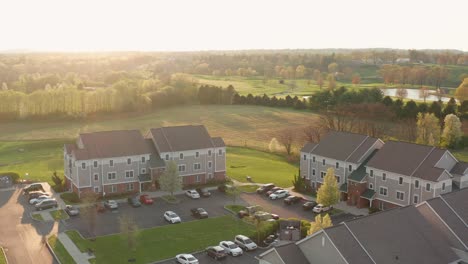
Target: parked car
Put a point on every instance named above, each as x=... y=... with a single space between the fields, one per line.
x=72 y=210
x=279 y=194
x=249 y=210
x=264 y=216
x=199 y=213
x=245 y=243
x=272 y=190
x=265 y=188
x=145 y=199
x=35 y=194
x=216 y=252
x=46 y=204
x=192 y=194
x=320 y=208
x=38 y=199
x=172 y=217
x=309 y=205
x=203 y=192
x=271 y=240
x=133 y=201
x=292 y=199
x=33 y=187
x=186 y=259
x=231 y=248
x=111 y=204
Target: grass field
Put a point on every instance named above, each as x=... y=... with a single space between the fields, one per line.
x=38 y=217
x=2 y=256
x=59 y=215
x=263 y=167
x=60 y=250
x=166 y=241
x=235 y=208
x=248 y=188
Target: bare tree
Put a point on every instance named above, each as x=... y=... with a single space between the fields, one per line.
x=286 y=138
x=401 y=93
x=313 y=133
x=423 y=93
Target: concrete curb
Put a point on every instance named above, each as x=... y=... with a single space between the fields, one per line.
x=52 y=251
x=4 y=254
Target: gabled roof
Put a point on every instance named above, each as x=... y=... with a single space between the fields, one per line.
x=289 y=254
x=181 y=138
x=108 y=144
x=308 y=147
x=409 y=159
x=218 y=142
x=360 y=173
x=342 y=146
x=459 y=168
x=347 y=245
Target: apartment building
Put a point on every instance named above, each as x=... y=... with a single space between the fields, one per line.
x=123 y=161
x=342 y=151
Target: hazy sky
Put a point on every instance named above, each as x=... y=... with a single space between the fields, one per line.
x=237 y=24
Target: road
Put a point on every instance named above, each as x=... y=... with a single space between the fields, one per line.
x=20 y=236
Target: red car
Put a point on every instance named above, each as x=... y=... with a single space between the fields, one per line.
x=145 y=199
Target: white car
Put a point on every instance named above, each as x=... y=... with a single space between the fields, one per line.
x=186 y=259
x=245 y=242
x=38 y=199
x=279 y=194
x=111 y=204
x=172 y=217
x=319 y=208
x=231 y=248
x=192 y=194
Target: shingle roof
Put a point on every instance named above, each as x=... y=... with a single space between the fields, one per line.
x=459 y=168
x=289 y=254
x=180 y=138
x=344 y=187
x=155 y=160
x=347 y=245
x=308 y=147
x=343 y=146
x=107 y=144
x=368 y=194
x=408 y=159
x=360 y=173
x=218 y=142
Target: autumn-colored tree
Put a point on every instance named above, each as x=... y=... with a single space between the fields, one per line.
x=401 y=93
x=320 y=223
x=356 y=79
x=428 y=129
x=328 y=194
x=462 y=91
x=300 y=71
x=452 y=132
x=423 y=93
x=313 y=133
x=286 y=138
x=319 y=81
x=332 y=67
x=331 y=82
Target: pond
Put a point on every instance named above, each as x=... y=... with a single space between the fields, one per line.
x=414 y=95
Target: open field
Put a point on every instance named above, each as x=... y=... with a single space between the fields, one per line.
x=263 y=167
x=159 y=243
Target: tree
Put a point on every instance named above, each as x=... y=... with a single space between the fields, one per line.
x=313 y=133
x=428 y=129
x=234 y=193
x=401 y=93
x=332 y=67
x=129 y=230
x=452 y=132
x=423 y=93
x=56 y=179
x=451 y=107
x=170 y=181
x=320 y=223
x=299 y=182
x=300 y=71
x=331 y=82
x=328 y=194
x=462 y=91
x=356 y=79
x=286 y=138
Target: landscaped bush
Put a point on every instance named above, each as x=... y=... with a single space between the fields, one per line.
x=267 y=228
x=373 y=210
x=209 y=183
x=13 y=175
x=70 y=197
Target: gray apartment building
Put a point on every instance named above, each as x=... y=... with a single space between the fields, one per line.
x=112 y=162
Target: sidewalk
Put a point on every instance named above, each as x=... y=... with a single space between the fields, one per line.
x=75 y=253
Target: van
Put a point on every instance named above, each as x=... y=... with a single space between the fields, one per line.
x=46 y=204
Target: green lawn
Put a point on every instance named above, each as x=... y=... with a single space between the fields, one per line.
x=38 y=217
x=166 y=241
x=263 y=167
x=59 y=214
x=235 y=207
x=60 y=250
x=2 y=256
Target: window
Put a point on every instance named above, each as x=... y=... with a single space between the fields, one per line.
x=96 y=177
x=305 y=157
x=371 y=186
x=95 y=164
x=337 y=179
x=197 y=154
x=143 y=170
x=220 y=152
x=111 y=176
x=129 y=161
x=323 y=162
x=322 y=174
x=197 y=178
x=313 y=172
x=111 y=163
x=416 y=184
x=96 y=189
x=384 y=176
x=313 y=159
x=400 y=196
x=196 y=166
x=371 y=173
x=181 y=168
x=83 y=165
x=129 y=186
x=143 y=159
x=337 y=165
x=113 y=188
x=209 y=164
x=181 y=156
x=415 y=199
x=383 y=191
x=350 y=168
x=209 y=152
x=400 y=180
x=167 y=156
x=428 y=187
x=443 y=186
x=129 y=174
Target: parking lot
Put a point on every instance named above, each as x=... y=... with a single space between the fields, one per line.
x=246 y=258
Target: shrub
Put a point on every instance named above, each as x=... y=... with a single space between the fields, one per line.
x=70 y=197
x=265 y=230
x=373 y=210
x=13 y=175
x=209 y=183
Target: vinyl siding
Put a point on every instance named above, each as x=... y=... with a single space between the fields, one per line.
x=446 y=162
